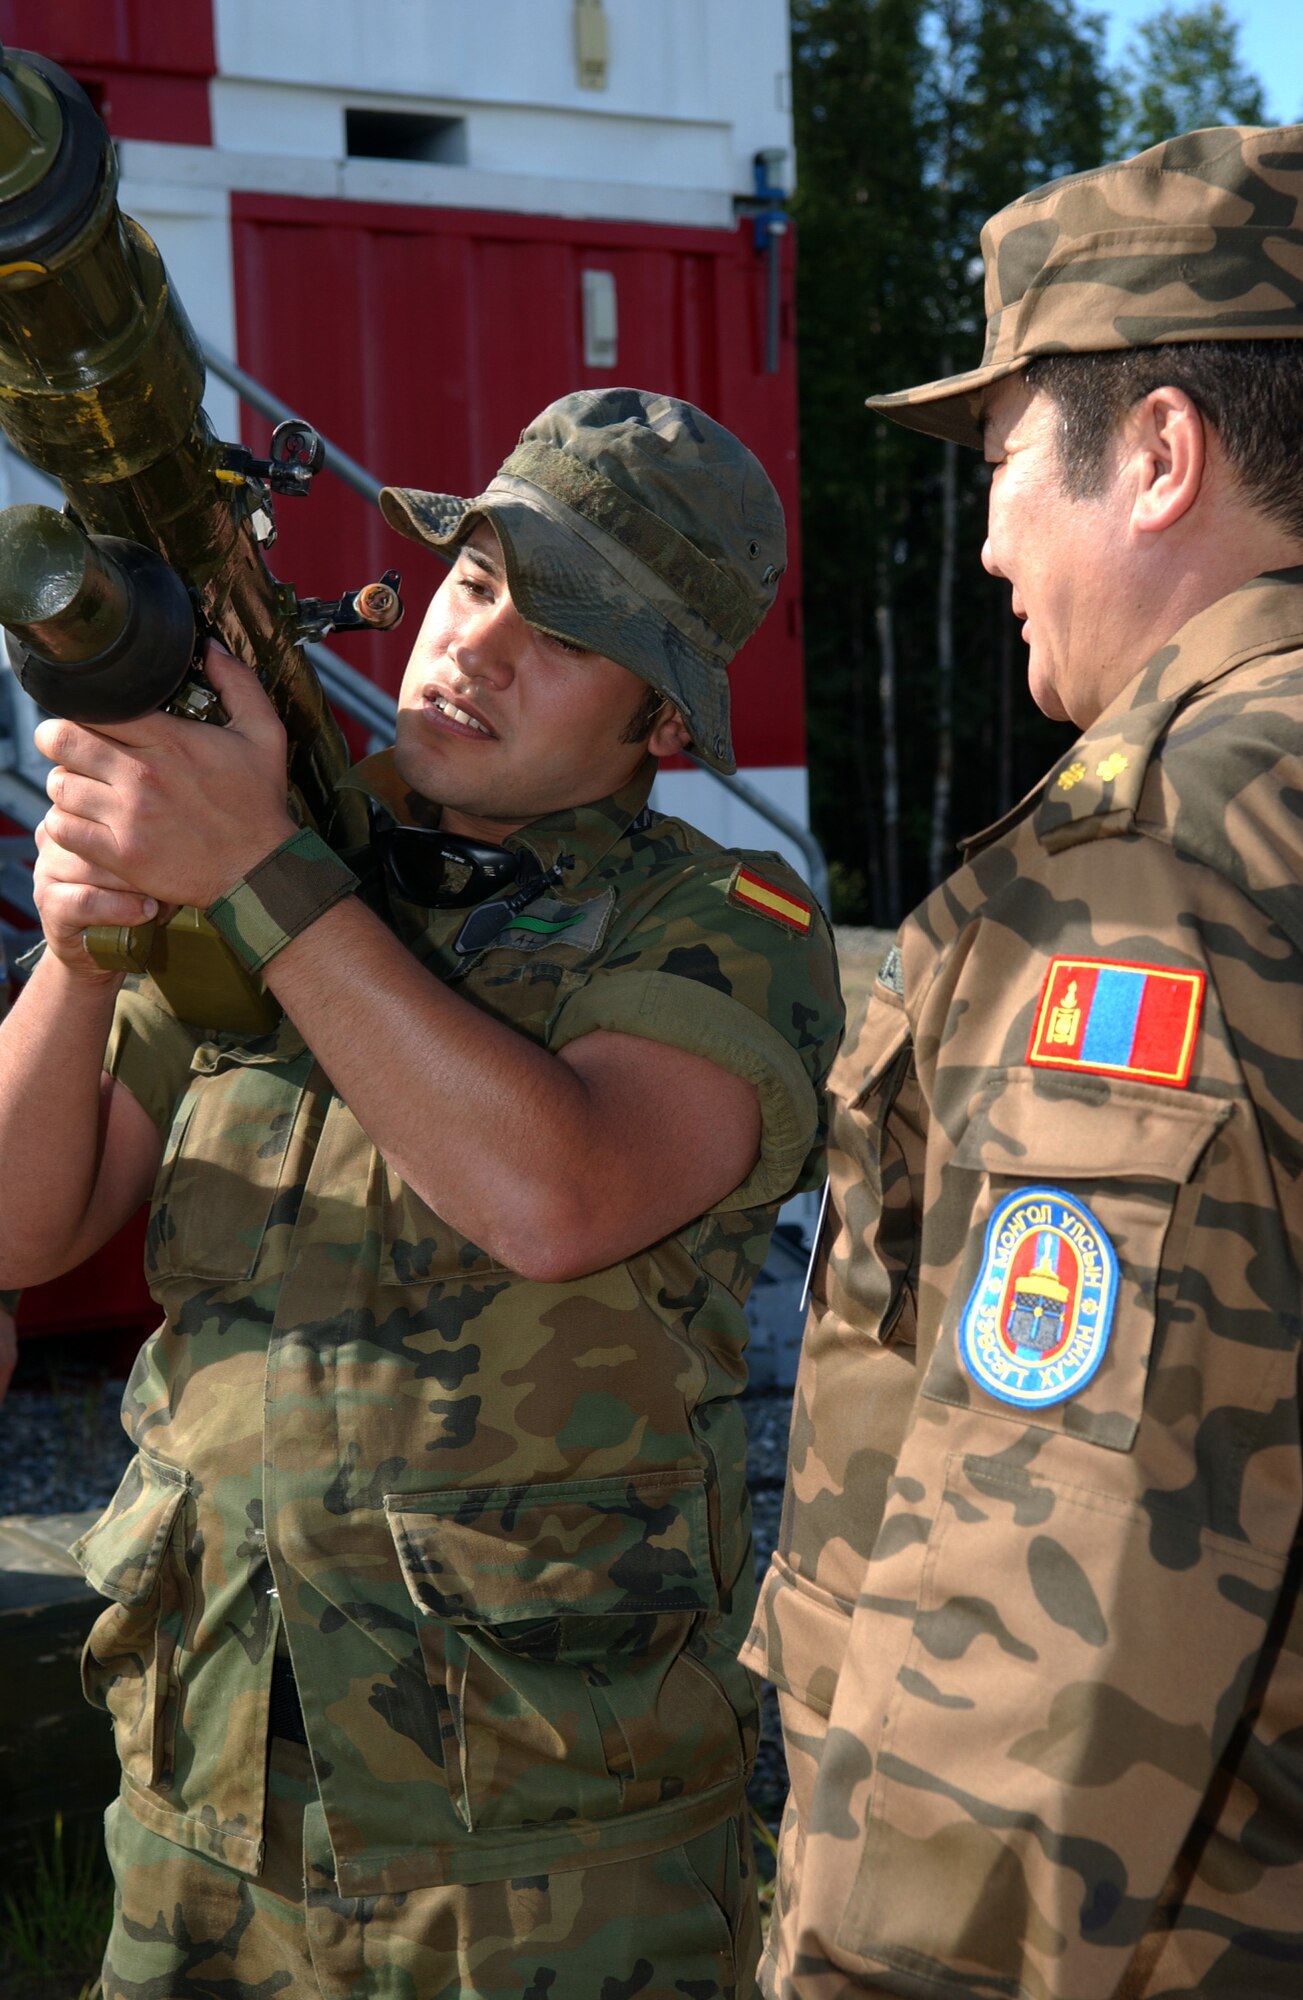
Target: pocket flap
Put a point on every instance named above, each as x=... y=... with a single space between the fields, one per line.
x=485 y=1554
x=121 y=1554
x=1025 y=1126
x=873 y=1043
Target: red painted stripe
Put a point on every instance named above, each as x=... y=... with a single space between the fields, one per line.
x=171 y=109
x=1163 y=1042
x=141 y=35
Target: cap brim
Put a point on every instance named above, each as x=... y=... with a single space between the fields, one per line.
x=440 y=520
x=562 y=585
x=950 y=408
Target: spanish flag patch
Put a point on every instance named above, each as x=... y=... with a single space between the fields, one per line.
x=752 y=892
x=1118 y=1020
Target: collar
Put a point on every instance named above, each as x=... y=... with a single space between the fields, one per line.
x=580 y=837
x=1100 y=778
x=1264 y=615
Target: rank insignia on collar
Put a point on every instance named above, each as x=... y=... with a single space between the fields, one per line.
x=752 y=892
x=1037 y=1321
x=1099 y=1014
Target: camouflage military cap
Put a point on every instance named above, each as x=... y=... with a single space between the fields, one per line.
x=636 y=526
x=1199 y=238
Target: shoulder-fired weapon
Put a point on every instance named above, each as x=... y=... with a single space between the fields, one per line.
x=109 y=604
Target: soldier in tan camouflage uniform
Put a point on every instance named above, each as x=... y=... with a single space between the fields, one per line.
x=1034 y=1614
x=440 y=1483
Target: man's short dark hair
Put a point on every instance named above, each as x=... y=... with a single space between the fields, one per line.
x=644 y=720
x=1250 y=391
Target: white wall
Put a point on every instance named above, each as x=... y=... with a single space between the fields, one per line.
x=191 y=224
x=694 y=87
x=413 y=182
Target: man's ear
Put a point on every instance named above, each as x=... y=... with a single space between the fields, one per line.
x=1168 y=442
x=670 y=733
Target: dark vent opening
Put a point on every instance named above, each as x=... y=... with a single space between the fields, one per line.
x=404 y=135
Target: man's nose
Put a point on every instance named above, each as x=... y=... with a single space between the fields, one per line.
x=989 y=563
x=484 y=648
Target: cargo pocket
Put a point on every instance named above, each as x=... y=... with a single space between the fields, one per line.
x=126 y=1661
x=866 y=1272
x=553 y=1620
x=223 y=1167
x=1121 y=1159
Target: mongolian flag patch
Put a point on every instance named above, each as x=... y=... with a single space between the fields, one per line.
x=754 y=893
x=1117 y=1020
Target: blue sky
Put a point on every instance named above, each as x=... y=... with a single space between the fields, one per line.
x=1271 y=43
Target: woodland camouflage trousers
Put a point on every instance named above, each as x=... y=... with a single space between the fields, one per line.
x=679 y=1925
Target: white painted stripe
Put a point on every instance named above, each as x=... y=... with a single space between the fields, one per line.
x=414 y=184
x=190 y=220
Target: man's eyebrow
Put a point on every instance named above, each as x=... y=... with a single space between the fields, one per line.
x=482 y=561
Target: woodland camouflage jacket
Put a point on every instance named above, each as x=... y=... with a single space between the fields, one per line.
x=502 y=1526
x=1034 y=1611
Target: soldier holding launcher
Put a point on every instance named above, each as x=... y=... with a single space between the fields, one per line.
x=427 y=1581
x=1036 y=1611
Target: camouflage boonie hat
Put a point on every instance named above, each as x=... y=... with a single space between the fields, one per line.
x=636 y=526
x=1199 y=238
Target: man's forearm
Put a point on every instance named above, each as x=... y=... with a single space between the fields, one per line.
x=554 y=1163
x=481 y=1123
x=51 y=1061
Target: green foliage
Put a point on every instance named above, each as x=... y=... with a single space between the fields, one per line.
x=915 y=121
x=1182 y=70
x=848 y=894
x=55 y=1919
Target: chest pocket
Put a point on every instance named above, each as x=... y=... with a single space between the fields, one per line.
x=866 y=1273
x=1129 y=1159
x=224 y=1179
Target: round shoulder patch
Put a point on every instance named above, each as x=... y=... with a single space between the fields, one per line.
x=1037 y=1321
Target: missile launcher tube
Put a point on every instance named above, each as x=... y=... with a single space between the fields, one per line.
x=101 y=386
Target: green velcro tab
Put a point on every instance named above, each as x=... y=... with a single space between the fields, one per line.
x=279 y=898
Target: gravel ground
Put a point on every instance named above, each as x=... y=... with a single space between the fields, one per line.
x=62 y=1449
x=768 y=1416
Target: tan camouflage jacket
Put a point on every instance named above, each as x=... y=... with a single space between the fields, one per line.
x=1034 y=1612
x=8 y=1300
x=502 y=1525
